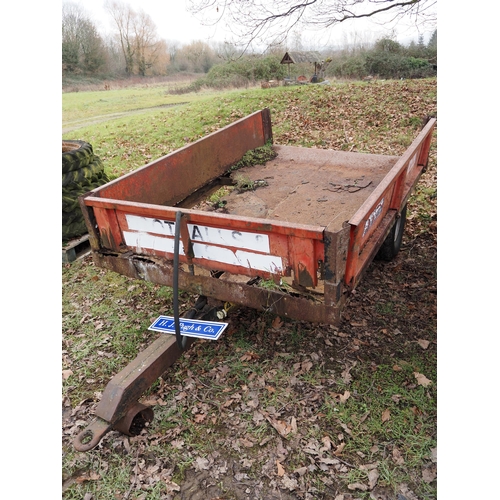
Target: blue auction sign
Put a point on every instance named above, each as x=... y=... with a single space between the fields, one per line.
x=189 y=327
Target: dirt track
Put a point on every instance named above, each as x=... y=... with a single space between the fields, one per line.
x=95 y=120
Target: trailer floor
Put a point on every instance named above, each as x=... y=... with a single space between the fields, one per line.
x=309 y=186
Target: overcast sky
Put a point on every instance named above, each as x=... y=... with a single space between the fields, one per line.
x=173 y=22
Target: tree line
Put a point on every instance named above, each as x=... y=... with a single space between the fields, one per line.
x=136 y=49
x=133 y=49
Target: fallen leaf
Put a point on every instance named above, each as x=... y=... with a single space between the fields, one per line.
x=281 y=470
x=347 y=429
x=290 y=483
x=386 y=415
x=358 y=323
x=277 y=322
x=301 y=471
x=346 y=375
x=180 y=395
x=199 y=418
x=249 y=356
x=416 y=411
x=327 y=444
x=396 y=398
x=171 y=486
x=407 y=493
x=329 y=461
x=93 y=476
x=369 y=466
x=339 y=449
x=357 y=486
x=373 y=476
x=257 y=417
x=150 y=401
x=397 y=457
x=66 y=374
x=422 y=379
x=246 y=463
x=364 y=417
x=201 y=464
x=306 y=366
x=424 y=344
x=283 y=428
x=246 y=442
x=177 y=443
x=344 y=397
x=429 y=474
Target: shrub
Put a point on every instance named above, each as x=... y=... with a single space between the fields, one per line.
x=349 y=67
x=240 y=73
x=391 y=65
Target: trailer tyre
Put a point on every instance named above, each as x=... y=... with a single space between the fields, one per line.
x=392 y=243
x=81 y=172
x=90 y=171
x=75 y=155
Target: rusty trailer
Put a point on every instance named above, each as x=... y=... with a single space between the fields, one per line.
x=309 y=221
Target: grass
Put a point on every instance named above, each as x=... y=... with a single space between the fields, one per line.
x=129 y=142
x=259 y=373
x=77 y=106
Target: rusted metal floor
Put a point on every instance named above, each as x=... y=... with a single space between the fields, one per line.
x=309 y=186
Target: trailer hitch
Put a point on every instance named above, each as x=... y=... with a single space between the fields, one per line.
x=119 y=408
x=131 y=424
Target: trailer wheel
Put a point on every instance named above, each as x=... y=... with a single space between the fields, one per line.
x=392 y=243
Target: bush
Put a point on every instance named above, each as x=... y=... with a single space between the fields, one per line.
x=240 y=73
x=391 y=65
x=349 y=67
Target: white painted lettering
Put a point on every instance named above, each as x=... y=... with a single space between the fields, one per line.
x=373 y=216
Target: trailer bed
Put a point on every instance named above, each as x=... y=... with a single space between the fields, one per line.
x=306 y=186
x=315 y=220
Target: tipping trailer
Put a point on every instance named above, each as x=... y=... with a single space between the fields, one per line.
x=310 y=220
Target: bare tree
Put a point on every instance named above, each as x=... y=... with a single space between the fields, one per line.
x=123 y=17
x=146 y=42
x=196 y=56
x=227 y=51
x=82 y=46
x=252 y=20
x=138 y=38
x=71 y=17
